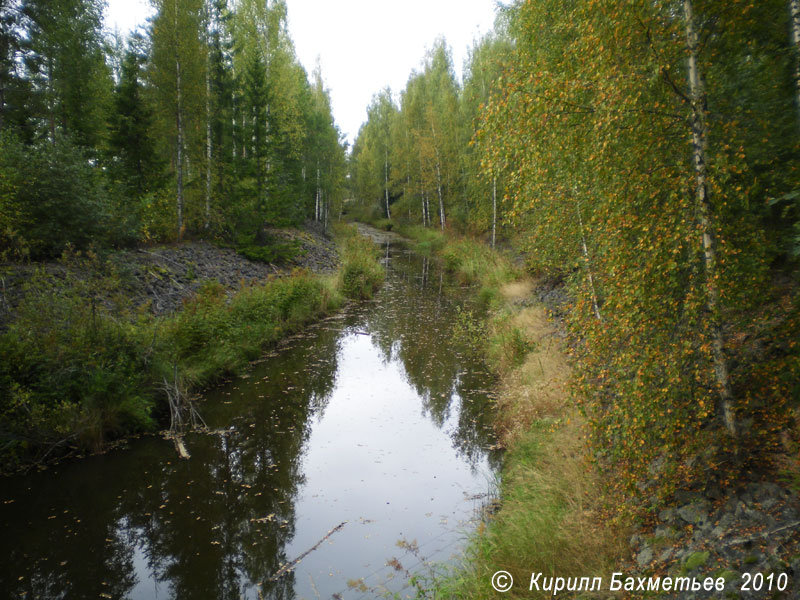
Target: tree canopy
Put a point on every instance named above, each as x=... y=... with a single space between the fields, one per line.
x=203 y=123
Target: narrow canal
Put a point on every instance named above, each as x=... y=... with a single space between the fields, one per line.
x=370 y=432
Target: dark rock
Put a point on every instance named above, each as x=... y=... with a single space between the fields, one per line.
x=695 y=513
x=645 y=556
x=668 y=515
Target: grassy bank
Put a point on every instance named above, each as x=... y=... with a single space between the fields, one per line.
x=79 y=366
x=549 y=516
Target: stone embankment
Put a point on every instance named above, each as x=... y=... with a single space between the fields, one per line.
x=162 y=277
x=726 y=533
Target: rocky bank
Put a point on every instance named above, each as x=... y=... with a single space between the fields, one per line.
x=160 y=278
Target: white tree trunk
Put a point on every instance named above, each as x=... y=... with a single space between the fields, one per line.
x=700 y=147
x=587 y=260
x=438 y=178
x=207 y=223
x=441 y=199
x=386 y=180
x=494 y=210
x=794 y=10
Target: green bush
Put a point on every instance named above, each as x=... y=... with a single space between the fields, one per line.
x=267 y=250
x=426 y=241
x=69 y=372
x=51 y=197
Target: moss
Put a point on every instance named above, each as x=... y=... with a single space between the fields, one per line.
x=696 y=560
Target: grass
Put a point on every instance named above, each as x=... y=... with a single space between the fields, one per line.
x=79 y=366
x=473 y=263
x=214 y=335
x=549 y=519
x=426 y=240
x=361 y=272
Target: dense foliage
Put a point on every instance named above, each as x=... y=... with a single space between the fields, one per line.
x=204 y=123
x=646 y=154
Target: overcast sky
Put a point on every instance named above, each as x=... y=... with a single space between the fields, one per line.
x=363 y=45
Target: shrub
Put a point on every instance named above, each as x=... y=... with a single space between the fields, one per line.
x=51 y=197
x=266 y=248
x=427 y=241
x=69 y=372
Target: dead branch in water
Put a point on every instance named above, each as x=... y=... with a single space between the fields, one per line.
x=291 y=565
x=182 y=413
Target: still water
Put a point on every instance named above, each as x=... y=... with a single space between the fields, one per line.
x=365 y=440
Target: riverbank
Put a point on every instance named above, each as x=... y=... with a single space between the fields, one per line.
x=335 y=424
x=92 y=353
x=556 y=514
x=548 y=516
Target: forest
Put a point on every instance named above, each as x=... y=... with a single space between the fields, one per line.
x=638 y=161
x=204 y=123
x=645 y=155
x=201 y=126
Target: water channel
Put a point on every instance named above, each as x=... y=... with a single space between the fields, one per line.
x=374 y=419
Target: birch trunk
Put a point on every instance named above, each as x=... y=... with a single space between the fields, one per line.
x=794 y=10
x=587 y=260
x=386 y=180
x=494 y=210
x=438 y=178
x=700 y=148
x=439 y=189
x=179 y=158
x=207 y=223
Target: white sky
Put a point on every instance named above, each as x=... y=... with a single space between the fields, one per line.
x=363 y=45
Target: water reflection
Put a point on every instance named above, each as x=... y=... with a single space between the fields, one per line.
x=374 y=417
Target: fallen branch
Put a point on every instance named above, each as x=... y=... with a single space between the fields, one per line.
x=763 y=534
x=179 y=404
x=288 y=567
x=162 y=257
x=180 y=447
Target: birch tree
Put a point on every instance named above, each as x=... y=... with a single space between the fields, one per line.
x=700 y=134
x=178 y=77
